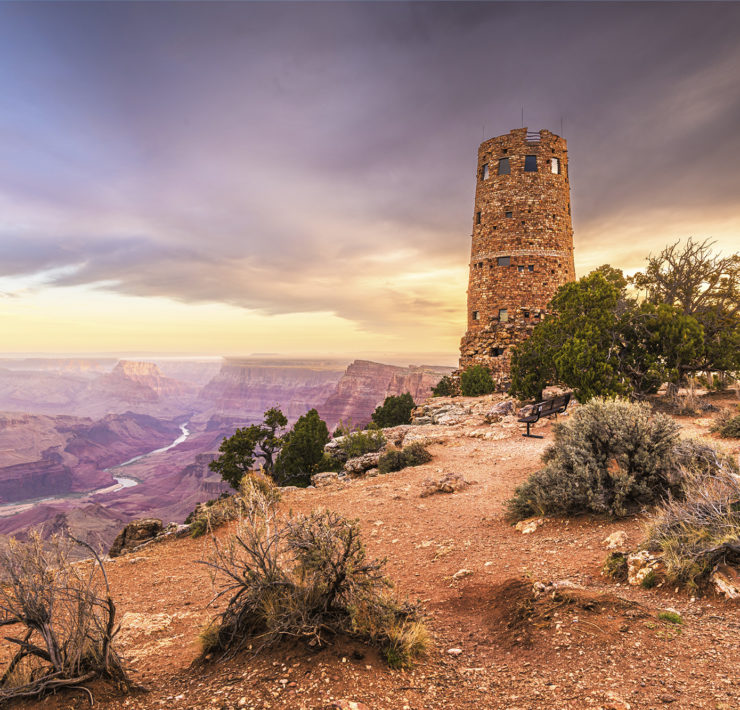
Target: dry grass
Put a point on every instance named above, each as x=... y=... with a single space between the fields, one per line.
x=701 y=530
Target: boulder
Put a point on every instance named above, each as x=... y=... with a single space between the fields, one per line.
x=616 y=541
x=529 y=526
x=358 y=465
x=326 y=478
x=501 y=409
x=726 y=581
x=134 y=534
x=449 y=483
x=640 y=565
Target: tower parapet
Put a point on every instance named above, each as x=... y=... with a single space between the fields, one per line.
x=522 y=243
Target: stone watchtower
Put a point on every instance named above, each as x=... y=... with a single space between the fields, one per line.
x=522 y=243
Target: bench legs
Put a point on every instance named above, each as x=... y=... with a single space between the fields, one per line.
x=532 y=436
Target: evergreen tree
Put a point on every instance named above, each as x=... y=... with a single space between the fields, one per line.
x=302 y=451
x=239 y=452
x=394 y=411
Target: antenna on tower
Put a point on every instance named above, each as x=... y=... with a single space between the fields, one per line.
x=522 y=116
x=561 y=127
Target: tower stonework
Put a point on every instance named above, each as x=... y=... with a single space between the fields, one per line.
x=522 y=249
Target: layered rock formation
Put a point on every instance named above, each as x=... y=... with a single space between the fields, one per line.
x=47 y=456
x=248 y=387
x=364 y=385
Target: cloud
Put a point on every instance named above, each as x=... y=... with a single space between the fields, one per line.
x=293 y=158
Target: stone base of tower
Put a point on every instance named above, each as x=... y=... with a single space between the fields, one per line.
x=491 y=347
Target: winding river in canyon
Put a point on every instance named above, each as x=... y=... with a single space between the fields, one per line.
x=120 y=481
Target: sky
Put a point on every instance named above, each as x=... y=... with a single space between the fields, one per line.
x=211 y=178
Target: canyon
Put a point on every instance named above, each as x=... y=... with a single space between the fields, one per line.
x=67 y=425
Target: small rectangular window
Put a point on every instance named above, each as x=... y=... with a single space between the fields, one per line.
x=520 y=268
x=530 y=163
x=555 y=165
x=476 y=315
x=503 y=315
x=509 y=214
x=485 y=172
x=531 y=267
x=526 y=314
x=497 y=352
x=504 y=261
x=503 y=167
x=477 y=217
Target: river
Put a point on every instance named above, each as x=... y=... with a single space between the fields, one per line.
x=131 y=482
x=8 y=509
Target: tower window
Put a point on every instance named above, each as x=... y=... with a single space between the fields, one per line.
x=526 y=314
x=497 y=352
x=504 y=261
x=476 y=315
x=530 y=163
x=555 y=166
x=505 y=151
x=503 y=315
x=477 y=217
x=503 y=167
x=520 y=268
x=509 y=213
x=485 y=172
x=531 y=267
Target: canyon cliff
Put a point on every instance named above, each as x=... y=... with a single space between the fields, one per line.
x=248 y=387
x=365 y=385
x=48 y=456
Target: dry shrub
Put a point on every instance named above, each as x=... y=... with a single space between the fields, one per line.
x=610 y=457
x=62 y=616
x=305 y=578
x=695 y=533
x=214 y=513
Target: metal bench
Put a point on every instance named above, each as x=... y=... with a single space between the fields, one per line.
x=555 y=405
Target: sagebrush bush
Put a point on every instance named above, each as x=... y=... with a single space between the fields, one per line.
x=61 y=619
x=475 y=381
x=610 y=457
x=306 y=578
x=396 y=459
x=362 y=442
x=727 y=425
x=693 y=533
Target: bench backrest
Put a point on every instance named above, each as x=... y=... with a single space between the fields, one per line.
x=552 y=405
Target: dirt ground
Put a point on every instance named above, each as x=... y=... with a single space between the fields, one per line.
x=600 y=647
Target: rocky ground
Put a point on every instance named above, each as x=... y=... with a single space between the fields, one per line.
x=600 y=645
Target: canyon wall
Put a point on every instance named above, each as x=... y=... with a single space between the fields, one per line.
x=248 y=387
x=365 y=385
x=47 y=456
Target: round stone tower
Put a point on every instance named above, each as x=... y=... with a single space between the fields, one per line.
x=522 y=243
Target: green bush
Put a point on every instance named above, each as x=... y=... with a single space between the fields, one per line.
x=609 y=457
x=394 y=411
x=362 y=442
x=446 y=387
x=475 y=381
x=397 y=459
x=392 y=460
